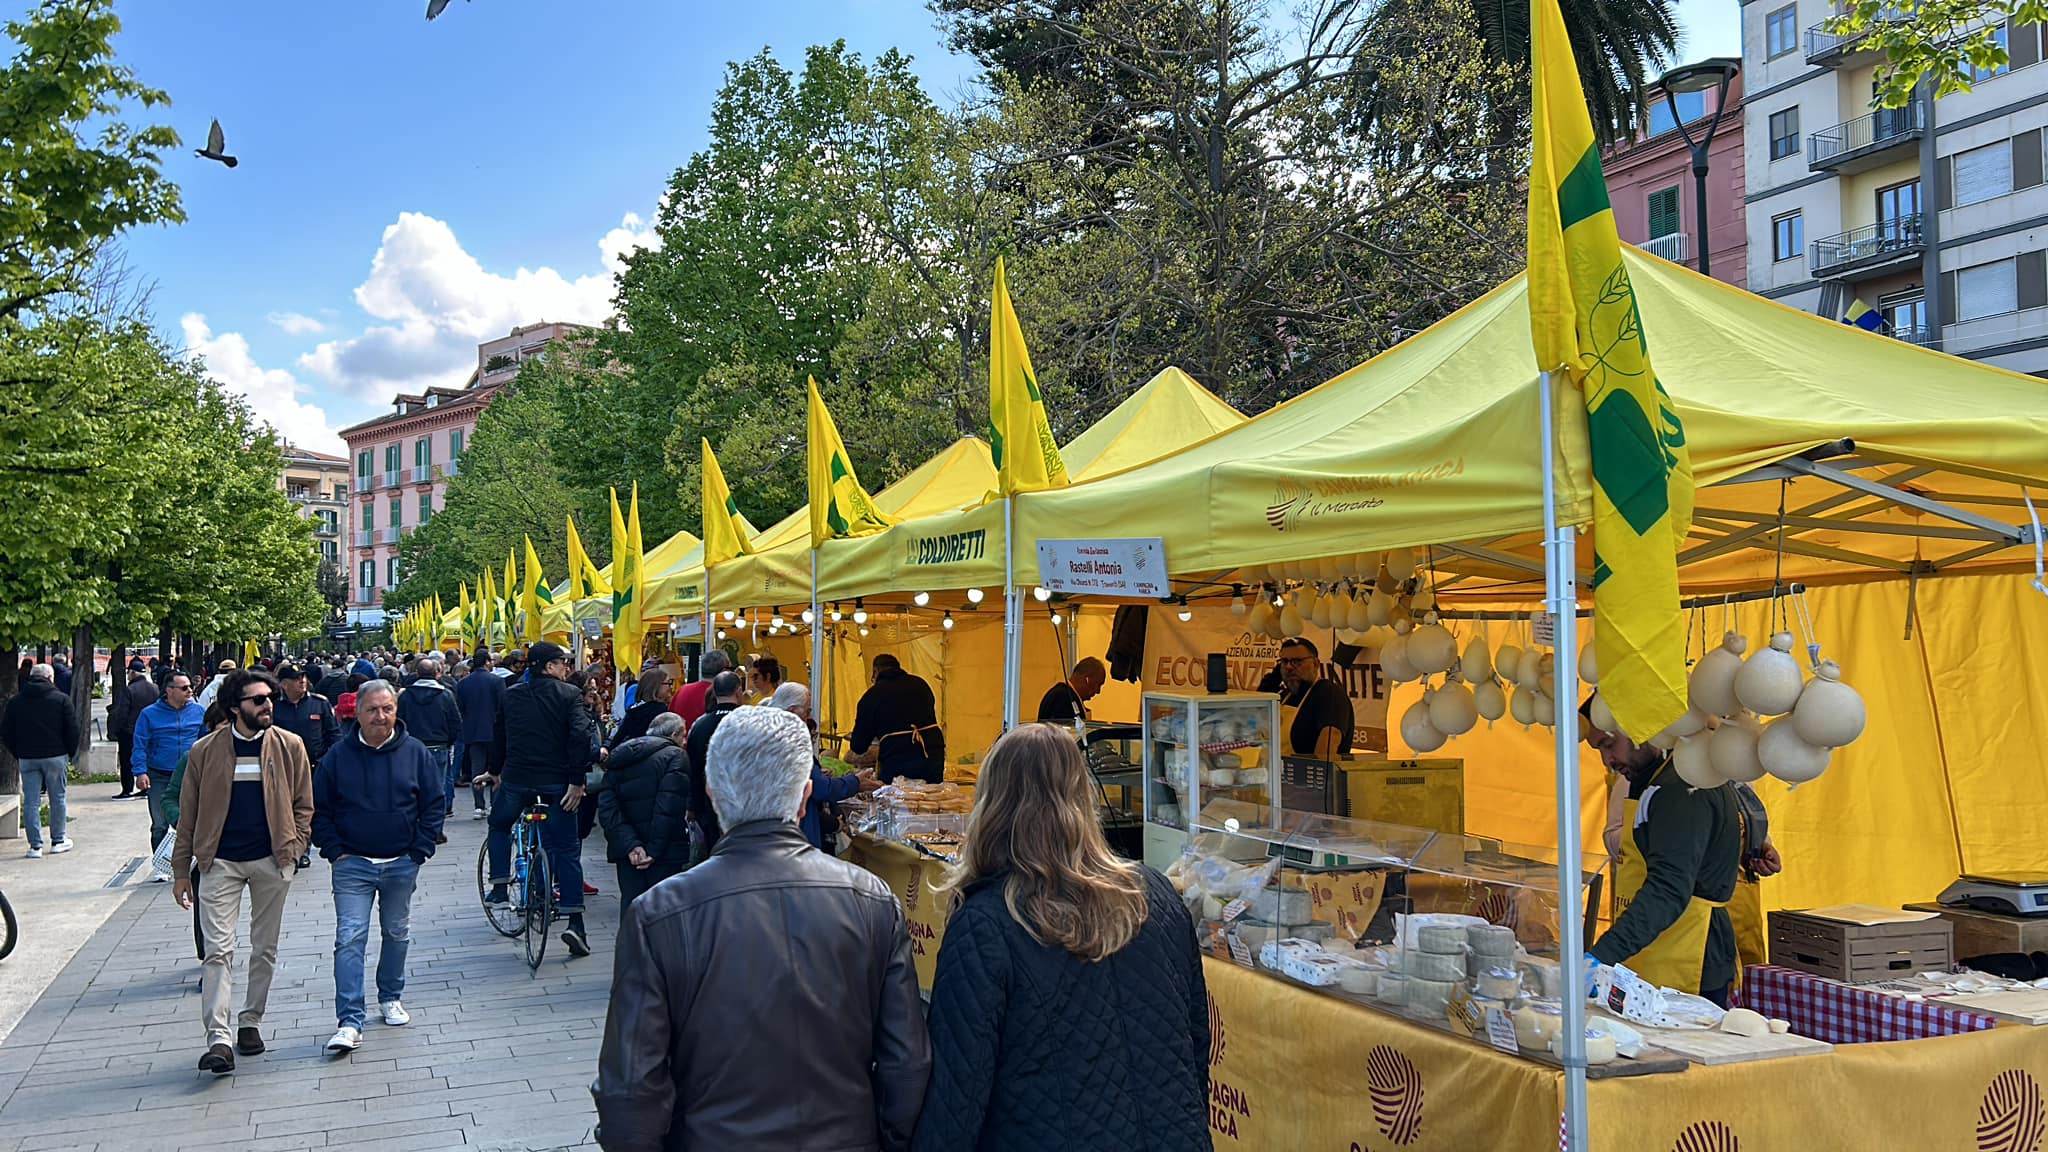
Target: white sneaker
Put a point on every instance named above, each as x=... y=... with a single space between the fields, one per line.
x=344 y=1040
x=479 y=814
x=35 y=854
x=395 y=1014
x=63 y=845
x=160 y=878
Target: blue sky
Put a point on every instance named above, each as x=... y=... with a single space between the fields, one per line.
x=408 y=189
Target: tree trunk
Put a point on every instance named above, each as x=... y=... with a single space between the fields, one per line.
x=163 y=641
x=82 y=679
x=10 y=676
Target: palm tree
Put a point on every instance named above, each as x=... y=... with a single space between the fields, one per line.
x=1621 y=46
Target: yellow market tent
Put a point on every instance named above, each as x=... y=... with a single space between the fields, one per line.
x=961 y=545
x=1894 y=465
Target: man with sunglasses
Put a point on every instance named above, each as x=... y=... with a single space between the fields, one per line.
x=245 y=816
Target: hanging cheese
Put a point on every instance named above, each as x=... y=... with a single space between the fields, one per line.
x=1589 y=666
x=1319 y=610
x=1401 y=563
x=1416 y=730
x=1529 y=669
x=1329 y=569
x=1290 y=621
x=1379 y=609
x=1783 y=754
x=1477 y=663
x=1489 y=700
x=1712 y=683
x=1394 y=660
x=1339 y=603
x=1452 y=709
x=1601 y=716
x=1432 y=649
x=1423 y=601
x=1508 y=662
x=1261 y=619
x=1693 y=761
x=1733 y=747
x=1546 y=709
x=1691 y=722
x=1829 y=713
x=1358 y=611
x=1768 y=682
x=1522 y=705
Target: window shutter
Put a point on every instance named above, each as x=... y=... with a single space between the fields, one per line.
x=1945 y=182
x=1986 y=290
x=2032 y=270
x=2026 y=160
x=2023 y=43
x=1948 y=299
x=1983 y=173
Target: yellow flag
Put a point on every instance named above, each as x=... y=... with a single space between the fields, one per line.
x=440 y=623
x=1584 y=320
x=509 y=607
x=839 y=505
x=584 y=581
x=1027 y=457
x=491 y=606
x=534 y=595
x=628 y=629
x=723 y=536
x=465 y=619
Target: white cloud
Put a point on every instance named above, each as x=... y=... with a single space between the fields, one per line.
x=436 y=303
x=295 y=324
x=274 y=395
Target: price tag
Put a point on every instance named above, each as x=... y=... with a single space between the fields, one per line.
x=1233 y=910
x=1240 y=951
x=1500 y=1030
x=1544 y=627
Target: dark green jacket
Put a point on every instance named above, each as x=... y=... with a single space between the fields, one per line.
x=1691 y=844
x=171 y=790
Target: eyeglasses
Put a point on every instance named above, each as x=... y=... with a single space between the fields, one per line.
x=262 y=701
x=1295 y=659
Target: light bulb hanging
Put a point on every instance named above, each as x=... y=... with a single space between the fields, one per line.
x=810 y=617
x=1041 y=594
x=947 y=623
x=974 y=595
x=1237 y=604
x=921 y=599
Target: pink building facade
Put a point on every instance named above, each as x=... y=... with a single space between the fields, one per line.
x=1655 y=196
x=402 y=462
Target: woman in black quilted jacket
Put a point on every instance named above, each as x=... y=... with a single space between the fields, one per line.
x=645 y=808
x=1068 y=1012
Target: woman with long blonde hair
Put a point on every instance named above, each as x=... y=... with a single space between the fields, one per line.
x=1068 y=1010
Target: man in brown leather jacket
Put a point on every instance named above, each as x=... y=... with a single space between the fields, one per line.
x=765 y=999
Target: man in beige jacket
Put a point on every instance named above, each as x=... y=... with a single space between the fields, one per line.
x=245 y=815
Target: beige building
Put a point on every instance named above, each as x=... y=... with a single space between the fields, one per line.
x=319 y=485
x=1934 y=215
x=403 y=460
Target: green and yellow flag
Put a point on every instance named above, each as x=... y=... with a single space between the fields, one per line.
x=839 y=505
x=584 y=582
x=440 y=623
x=723 y=536
x=534 y=595
x=509 y=607
x=465 y=619
x=489 y=605
x=1584 y=320
x=628 y=630
x=1027 y=457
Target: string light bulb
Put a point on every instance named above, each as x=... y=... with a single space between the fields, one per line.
x=1041 y=594
x=729 y=616
x=947 y=623
x=836 y=617
x=721 y=634
x=1057 y=619
x=974 y=595
x=1237 y=607
x=921 y=599
x=1186 y=613
x=775 y=622
x=863 y=631
x=860 y=614
x=810 y=617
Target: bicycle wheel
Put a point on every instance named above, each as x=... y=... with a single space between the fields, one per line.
x=10 y=931
x=539 y=905
x=505 y=919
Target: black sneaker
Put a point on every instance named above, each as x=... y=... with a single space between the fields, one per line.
x=573 y=937
x=219 y=1060
x=499 y=897
x=249 y=1042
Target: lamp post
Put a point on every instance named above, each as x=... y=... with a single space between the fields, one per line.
x=1707 y=74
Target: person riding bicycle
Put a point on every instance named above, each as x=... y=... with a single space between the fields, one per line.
x=546 y=744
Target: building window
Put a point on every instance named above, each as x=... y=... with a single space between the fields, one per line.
x=2001 y=36
x=397 y=511
x=455 y=444
x=1788 y=236
x=1987 y=290
x=369 y=517
x=423 y=451
x=1664 y=212
x=391 y=457
x=1982 y=174
x=341 y=491
x=366 y=577
x=1781 y=31
x=1785 y=133
x=391 y=573
x=329 y=551
x=426 y=507
x=1898 y=211
x=1905 y=312
x=363 y=466
x=1691 y=106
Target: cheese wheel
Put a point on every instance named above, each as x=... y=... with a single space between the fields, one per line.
x=1436 y=966
x=1442 y=939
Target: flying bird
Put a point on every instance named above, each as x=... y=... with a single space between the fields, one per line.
x=216 y=146
x=436 y=7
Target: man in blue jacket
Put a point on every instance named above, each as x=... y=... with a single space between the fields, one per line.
x=165 y=731
x=377 y=813
x=482 y=697
x=431 y=716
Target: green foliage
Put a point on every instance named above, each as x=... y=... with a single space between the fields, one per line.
x=1950 y=44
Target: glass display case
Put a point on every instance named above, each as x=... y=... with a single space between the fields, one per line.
x=1199 y=747
x=1457 y=931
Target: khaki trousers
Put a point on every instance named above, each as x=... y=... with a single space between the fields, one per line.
x=220 y=906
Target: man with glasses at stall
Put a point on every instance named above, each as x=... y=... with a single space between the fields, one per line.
x=1315 y=714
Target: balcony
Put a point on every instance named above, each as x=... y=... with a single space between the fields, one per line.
x=391 y=477
x=325 y=530
x=387 y=535
x=365 y=538
x=1921 y=334
x=1838 y=50
x=423 y=473
x=1670 y=246
x=1861 y=253
x=366 y=484
x=451 y=468
x=1864 y=143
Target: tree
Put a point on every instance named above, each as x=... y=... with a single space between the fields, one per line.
x=1949 y=44
x=1621 y=46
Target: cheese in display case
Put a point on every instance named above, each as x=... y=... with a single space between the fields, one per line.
x=1197 y=748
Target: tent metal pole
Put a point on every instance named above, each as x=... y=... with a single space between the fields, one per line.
x=1561 y=600
x=817 y=643
x=1013 y=618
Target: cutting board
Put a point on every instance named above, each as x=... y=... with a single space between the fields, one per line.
x=2023 y=1006
x=1712 y=1046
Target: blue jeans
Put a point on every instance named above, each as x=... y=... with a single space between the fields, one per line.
x=357 y=882
x=44 y=774
x=557 y=835
x=444 y=759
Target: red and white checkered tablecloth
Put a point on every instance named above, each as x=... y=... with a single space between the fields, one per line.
x=1838 y=1013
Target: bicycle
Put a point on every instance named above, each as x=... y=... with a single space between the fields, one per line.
x=532 y=889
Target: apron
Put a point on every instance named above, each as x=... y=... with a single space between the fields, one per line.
x=922 y=758
x=1287 y=715
x=1672 y=960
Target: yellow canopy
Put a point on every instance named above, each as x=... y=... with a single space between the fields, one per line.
x=1434 y=443
x=961 y=546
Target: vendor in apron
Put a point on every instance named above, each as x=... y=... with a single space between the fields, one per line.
x=896 y=726
x=1681 y=854
x=1315 y=714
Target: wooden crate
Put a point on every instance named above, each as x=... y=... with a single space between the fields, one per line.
x=1982 y=933
x=1859 y=953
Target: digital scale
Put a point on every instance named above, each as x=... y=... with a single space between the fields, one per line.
x=2008 y=893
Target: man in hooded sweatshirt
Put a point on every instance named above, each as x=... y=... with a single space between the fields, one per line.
x=429 y=711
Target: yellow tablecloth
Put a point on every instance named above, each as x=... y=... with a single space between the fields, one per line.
x=910 y=874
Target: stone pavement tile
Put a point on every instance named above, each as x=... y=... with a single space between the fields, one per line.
x=331 y=1118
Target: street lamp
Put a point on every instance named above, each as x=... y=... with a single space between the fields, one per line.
x=1707 y=74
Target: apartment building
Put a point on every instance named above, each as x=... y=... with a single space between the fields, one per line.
x=318 y=484
x=1930 y=221
x=1655 y=196
x=404 y=458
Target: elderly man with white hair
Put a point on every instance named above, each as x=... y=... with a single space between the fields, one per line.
x=818 y=825
x=765 y=999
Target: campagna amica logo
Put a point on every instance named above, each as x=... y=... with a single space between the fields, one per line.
x=1215 y=1033
x=1707 y=1136
x=2011 y=1118
x=1286 y=495
x=1396 y=1090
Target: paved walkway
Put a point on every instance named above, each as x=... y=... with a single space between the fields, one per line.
x=494 y=1058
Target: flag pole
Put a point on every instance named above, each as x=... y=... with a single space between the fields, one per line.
x=1560 y=552
x=1013 y=619
x=817 y=644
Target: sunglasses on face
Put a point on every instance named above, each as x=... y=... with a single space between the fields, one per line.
x=262 y=701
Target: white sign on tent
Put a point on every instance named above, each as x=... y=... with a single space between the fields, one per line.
x=1135 y=568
